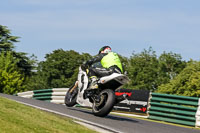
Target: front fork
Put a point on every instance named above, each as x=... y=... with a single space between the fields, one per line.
x=75 y=86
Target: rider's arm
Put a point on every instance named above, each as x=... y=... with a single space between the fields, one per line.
x=95 y=59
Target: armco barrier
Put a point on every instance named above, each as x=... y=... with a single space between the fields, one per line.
x=137 y=101
x=174 y=108
x=56 y=95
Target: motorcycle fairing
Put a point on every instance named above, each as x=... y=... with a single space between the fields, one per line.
x=82 y=86
x=122 y=79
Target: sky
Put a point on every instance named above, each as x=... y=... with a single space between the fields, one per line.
x=86 y=25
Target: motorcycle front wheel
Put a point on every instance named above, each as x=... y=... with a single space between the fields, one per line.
x=104 y=105
x=71 y=95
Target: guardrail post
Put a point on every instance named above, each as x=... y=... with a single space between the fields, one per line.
x=149 y=105
x=198 y=116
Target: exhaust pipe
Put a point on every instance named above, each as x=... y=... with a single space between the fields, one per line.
x=121 y=98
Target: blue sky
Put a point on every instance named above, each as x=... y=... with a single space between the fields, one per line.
x=87 y=25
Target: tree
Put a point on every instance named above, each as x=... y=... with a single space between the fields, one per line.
x=6 y=40
x=170 y=65
x=24 y=64
x=11 y=81
x=60 y=69
x=186 y=83
x=124 y=61
x=143 y=70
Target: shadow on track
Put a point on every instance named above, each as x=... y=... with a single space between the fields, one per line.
x=120 y=118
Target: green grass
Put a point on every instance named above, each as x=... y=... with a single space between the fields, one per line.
x=18 y=118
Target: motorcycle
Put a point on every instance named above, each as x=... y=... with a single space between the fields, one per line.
x=102 y=99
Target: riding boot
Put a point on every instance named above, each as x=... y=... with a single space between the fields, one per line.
x=93 y=84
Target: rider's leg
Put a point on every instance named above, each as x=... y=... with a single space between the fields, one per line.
x=101 y=72
x=93 y=84
x=97 y=72
x=92 y=78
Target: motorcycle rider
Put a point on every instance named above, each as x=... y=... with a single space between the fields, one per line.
x=104 y=64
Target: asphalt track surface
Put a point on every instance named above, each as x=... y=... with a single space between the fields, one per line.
x=112 y=123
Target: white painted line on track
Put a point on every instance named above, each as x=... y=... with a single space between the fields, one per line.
x=140 y=116
x=111 y=130
x=100 y=130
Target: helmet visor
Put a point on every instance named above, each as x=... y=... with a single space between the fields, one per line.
x=106 y=50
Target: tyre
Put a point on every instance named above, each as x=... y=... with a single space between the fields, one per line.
x=71 y=96
x=105 y=104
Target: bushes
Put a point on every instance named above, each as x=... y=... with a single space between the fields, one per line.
x=11 y=81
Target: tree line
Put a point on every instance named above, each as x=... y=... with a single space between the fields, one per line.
x=166 y=73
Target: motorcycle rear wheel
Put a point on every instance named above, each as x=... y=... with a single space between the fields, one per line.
x=105 y=105
x=71 y=96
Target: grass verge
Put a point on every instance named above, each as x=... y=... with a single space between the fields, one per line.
x=18 y=118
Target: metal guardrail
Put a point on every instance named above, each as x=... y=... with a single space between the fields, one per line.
x=175 y=109
x=55 y=95
x=136 y=102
